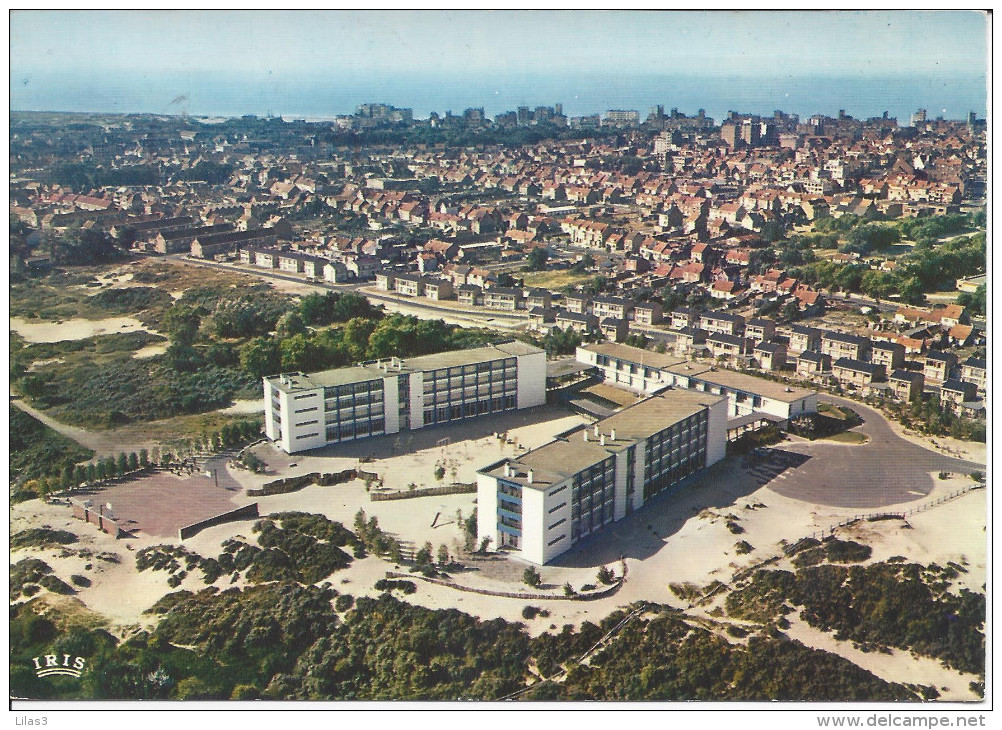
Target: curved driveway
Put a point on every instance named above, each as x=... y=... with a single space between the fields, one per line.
x=887 y=470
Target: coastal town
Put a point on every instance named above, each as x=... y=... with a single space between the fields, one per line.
x=593 y=372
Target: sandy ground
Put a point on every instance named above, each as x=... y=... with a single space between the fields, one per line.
x=73 y=329
x=245 y=406
x=101 y=442
x=150 y=351
x=675 y=539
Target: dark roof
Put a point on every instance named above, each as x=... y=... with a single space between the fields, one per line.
x=847 y=338
x=906 y=375
x=236 y=236
x=470 y=287
x=957 y=386
x=769 y=347
x=613 y=322
x=940 y=356
x=613 y=300
x=813 y=356
x=802 y=329
x=159 y=223
x=976 y=362
x=759 y=322
x=575 y=317
x=179 y=233
x=727 y=339
x=879 y=345
x=503 y=290
x=723 y=316
x=860 y=367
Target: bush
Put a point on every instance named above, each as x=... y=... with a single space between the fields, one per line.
x=743 y=547
x=605 y=576
x=531 y=577
x=343 y=603
x=80 y=580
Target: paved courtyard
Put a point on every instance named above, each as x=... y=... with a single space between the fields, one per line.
x=886 y=470
x=161 y=503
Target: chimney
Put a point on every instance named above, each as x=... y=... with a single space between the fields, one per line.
x=585 y=434
x=596 y=430
x=612 y=435
x=507 y=469
x=528 y=476
x=601 y=440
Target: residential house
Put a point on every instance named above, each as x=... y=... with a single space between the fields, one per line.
x=975 y=370
x=615 y=307
x=938 y=366
x=842 y=345
x=770 y=355
x=722 y=322
x=813 y=364
x=614 y=329
x=502 y=297
x=803 y=338
x=647 y=313
x=857 y=374
x=889 y=354
x=760 y=329
x=578 y=321
x=906 y=385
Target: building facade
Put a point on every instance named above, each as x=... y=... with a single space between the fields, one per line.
x=548 y=500
x=387 y=396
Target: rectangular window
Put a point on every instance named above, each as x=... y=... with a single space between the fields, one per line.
x=555 y=540
x=557 y=491
x=306 y=410
x=556 y=524
x=554 y=509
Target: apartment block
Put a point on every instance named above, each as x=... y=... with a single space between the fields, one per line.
x=548 y=500
x=387 y=396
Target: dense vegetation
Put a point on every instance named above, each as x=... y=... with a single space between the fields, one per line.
x=36 y=450
x=893 y=604
x=661 y=657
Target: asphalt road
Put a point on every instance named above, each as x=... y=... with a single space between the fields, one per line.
x=887 y=470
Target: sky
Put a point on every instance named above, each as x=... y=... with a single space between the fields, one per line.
x=110 y=55
x=518 y=41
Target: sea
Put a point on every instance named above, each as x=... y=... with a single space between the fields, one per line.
x=323 y=94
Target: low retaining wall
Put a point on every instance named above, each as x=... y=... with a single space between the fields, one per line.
x=294 y=484
x=590 y=596
x=246 y=512
x=97 y=517
x=426 y=492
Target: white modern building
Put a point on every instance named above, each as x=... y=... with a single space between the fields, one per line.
x=545 y=501
x=387 y=396
x=647 y=372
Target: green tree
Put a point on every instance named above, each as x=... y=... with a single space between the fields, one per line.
x=289 y=324
x=537 y=258
x=121 y=464
x=443 y=554
x=133 y=461
x=531 y=577
x=261 y=356
x=604 y=576
x=144 y=458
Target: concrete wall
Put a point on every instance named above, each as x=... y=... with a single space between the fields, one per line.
x=391 y=403
x=557 y=495
x=531 y=380
x=487 y=508
x=270 y=427
x=417 y=400
x=294 y=437
x=247 y=512
x=533 y=513
x=716 y=432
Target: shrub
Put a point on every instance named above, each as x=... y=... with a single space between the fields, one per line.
x=531 y=577
x=743 y=547
x=343 y=603
x=605 y=576
x=80 y=580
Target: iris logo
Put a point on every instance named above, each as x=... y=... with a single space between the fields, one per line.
x=50 y=664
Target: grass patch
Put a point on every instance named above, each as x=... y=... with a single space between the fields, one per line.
x=848 y=437
x=36 y=451
x=555 y=279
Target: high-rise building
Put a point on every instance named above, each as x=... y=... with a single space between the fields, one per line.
x=386 y=396
x=546 y=501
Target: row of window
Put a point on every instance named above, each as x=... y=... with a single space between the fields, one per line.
x=443 y=413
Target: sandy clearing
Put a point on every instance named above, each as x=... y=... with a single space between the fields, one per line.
x=149 y=351
x=103 y=443
x=244 y=406
x=898 y=666
x=73 y=329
